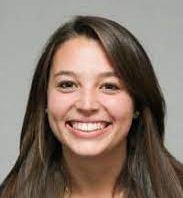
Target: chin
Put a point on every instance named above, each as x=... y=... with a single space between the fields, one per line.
x=87 y=149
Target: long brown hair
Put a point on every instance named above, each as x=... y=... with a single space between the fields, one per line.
x=150 y=170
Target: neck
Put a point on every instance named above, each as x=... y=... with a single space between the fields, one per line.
x=96 y=175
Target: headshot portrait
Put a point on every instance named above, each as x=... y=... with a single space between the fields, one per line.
x=94 y=123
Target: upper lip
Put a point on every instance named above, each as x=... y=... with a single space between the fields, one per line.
x=88 y=121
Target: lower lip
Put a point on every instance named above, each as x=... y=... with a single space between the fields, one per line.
x=93 y=134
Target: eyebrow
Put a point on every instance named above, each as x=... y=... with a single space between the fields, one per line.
x=73 y=74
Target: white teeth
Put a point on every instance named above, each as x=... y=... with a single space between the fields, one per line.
x=88 y=127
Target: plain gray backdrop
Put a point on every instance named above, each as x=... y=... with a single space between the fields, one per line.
x=25 y=26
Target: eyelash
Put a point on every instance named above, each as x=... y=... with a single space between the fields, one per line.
x=68 y=86
x=111 y=86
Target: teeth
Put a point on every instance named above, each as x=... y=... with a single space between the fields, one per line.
x=88 y=127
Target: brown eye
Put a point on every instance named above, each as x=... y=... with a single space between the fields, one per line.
x=67 y=86
x=110 y=87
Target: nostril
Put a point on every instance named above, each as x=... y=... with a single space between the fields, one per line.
x=87 y=109
x=87 y=112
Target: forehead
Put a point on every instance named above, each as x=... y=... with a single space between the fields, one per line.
x=81 y=54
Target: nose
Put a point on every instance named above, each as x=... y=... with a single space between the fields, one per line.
x=87 y=102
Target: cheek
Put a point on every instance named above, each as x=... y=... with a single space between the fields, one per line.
x=120 y=107
x=58 y=104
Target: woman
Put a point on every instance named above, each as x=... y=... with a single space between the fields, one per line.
x=94 y=124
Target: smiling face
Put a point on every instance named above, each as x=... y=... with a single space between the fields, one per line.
x=89 y=110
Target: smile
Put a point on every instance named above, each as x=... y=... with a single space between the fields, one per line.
x=88 y=127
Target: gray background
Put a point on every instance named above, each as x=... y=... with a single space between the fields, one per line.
x=26 y=25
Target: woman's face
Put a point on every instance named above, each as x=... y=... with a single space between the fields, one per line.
x=89 y=109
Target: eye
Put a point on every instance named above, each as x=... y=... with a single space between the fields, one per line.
x=110 y=87
x=67 y=86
